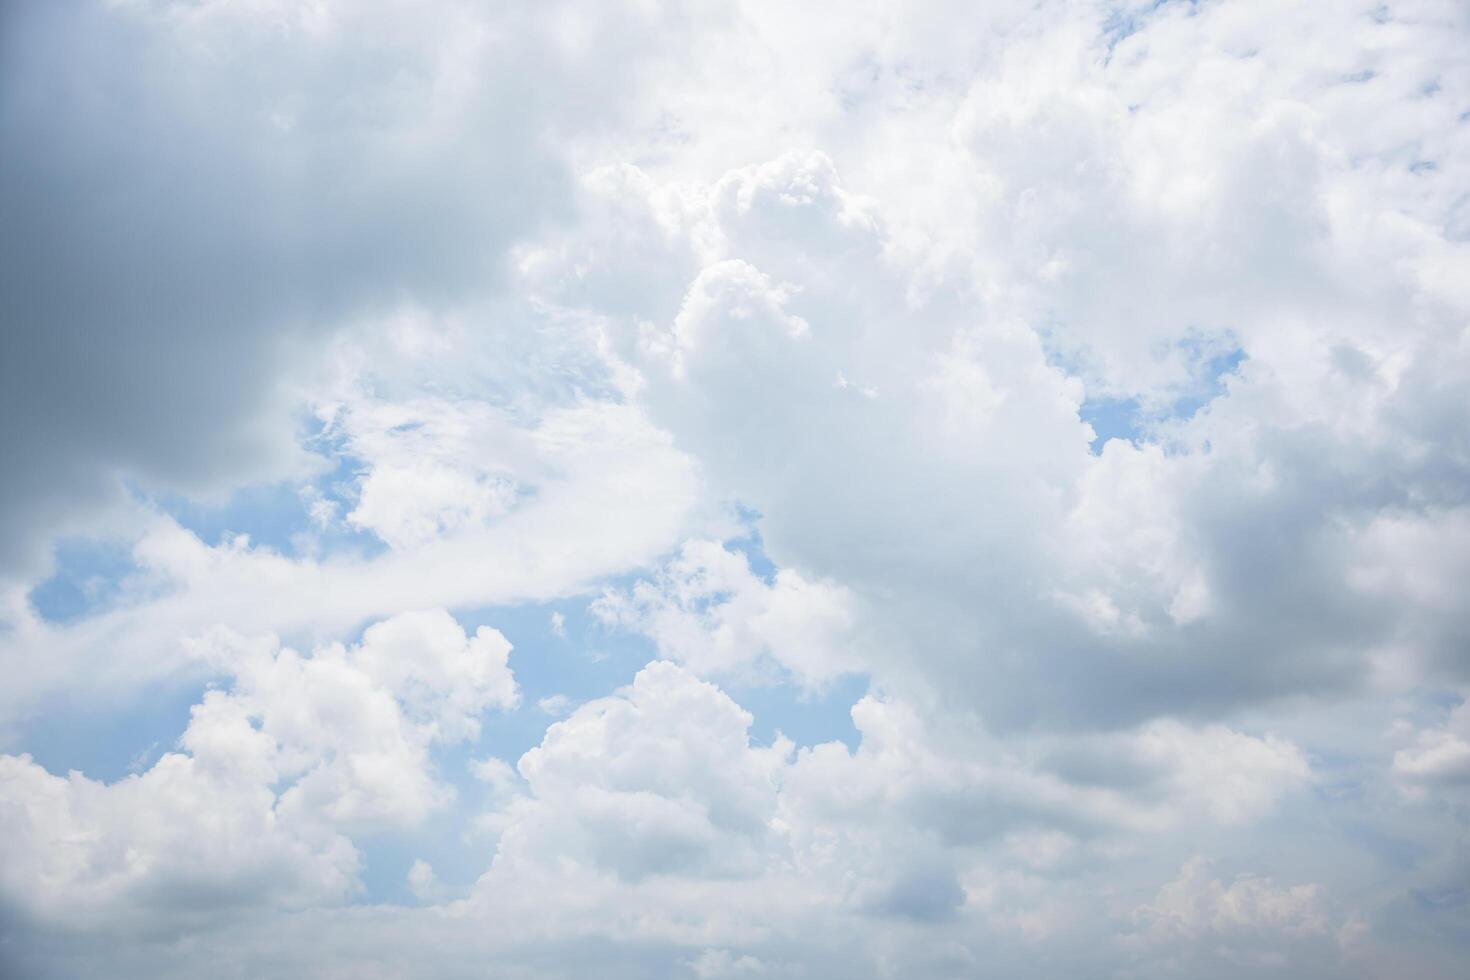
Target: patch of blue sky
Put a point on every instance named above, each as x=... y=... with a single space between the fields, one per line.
x=278 y=515
x=1111 y=418
x=272 y=516
x=88 y=576
x=587 y=660
x=584 y=659
x=1126 y=418
x=752 y=546
x=1210 y=380
x=806 y=717
x=109 y=741
x=447 y=840
x=1128 y=18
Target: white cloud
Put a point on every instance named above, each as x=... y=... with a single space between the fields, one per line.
x=1440 y=755
x=709 y=611
x=555 y=705
x=718 y=964
x=192 y=839
x=1211 y=927
x=606 y=493
x=422 y=881
x=660 y=778
x=1194 y=904
x=272 y=774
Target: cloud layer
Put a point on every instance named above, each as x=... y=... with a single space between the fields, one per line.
x=898 y=491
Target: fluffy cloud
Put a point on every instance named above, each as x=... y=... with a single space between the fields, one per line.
x=194 y=838
x=1211 y=927
x=919 y=439
x=709 y=611
x=1440 y=755
x=270 y=778
x=659 y=779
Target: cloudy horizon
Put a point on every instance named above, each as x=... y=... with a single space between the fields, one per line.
x=735 y=489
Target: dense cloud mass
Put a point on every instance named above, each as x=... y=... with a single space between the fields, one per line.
x=735 y=489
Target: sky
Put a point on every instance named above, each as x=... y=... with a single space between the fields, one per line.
x=734 y=489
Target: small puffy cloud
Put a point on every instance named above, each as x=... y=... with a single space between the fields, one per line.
x=707 y=610
x=1196 y=904
x=422 y=881
x=1214 y=927
x=555 y=705
x=1440 y=755
x=442 y=677
x=720 y=964
x=496 y=772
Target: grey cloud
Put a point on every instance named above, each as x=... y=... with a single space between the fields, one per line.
x=194 y=197
x=922 y=895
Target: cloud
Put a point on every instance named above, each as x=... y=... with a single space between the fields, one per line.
x=192 y=839
x=961 y=505
x=658 y=779
x=780 y=340
x=554 y=705
x=603 y=491
x=185 y=228
x=717 y=964
x=1440 y=755
x=422 y=881
x=1213 y=927
x=710 y=612
x=271 y=777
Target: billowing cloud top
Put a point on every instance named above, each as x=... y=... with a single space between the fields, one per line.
x=735 y=489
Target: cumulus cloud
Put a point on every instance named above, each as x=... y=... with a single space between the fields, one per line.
x=1440 y=754
x=270 y=778
x=658 y=779
x=957 y=497
x=709 y=611
x=422 y=881
x=192 y=839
